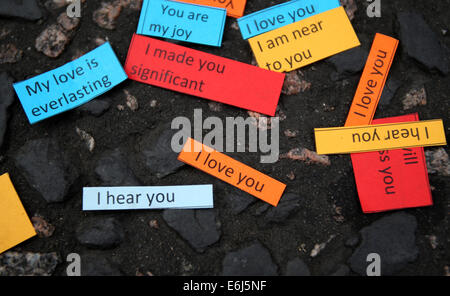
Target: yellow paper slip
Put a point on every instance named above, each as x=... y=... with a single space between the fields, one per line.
x=15 y=226
x=304 y=42
x=378 y=137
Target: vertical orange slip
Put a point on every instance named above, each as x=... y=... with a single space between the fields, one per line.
x=15 y=226
x=232 y=171
x=372 y=80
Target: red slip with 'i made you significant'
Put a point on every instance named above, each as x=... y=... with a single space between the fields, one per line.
x=204 y=75
x=392 y=179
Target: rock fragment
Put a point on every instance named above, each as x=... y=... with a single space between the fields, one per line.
x=52 y=41
x=26 y=9
x=239 y=200
x=42 y=227
x=6 y=99
x=67 y=23
x=393 y=238
x=198 y=227
x=350 y=8
x=46 y=168
x=10 y=54
x=293 y=84
x=437 y=162
x=113 y=170
x=415 y=97
x=349 y=62
x=28 y=264
x=100 y=233
x=307 y=156
x=132 y=102
x=421 y=43
x=389 y=91
x=105 y=16
x=86 y=138
x=254 y=260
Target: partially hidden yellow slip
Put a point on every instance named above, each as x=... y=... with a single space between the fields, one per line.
x=15 y=226
x=304 y=42
x=353 y=139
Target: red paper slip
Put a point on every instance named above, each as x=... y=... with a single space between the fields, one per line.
x=204 y=75
x=394 y=179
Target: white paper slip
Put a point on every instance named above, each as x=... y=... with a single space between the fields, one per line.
x=148 y=197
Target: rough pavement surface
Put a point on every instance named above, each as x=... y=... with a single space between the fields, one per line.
x=320 y=214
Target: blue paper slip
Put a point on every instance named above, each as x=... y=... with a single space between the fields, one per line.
x=148 y=197
x=70 y=85
x=281 y=15
x=182 y=21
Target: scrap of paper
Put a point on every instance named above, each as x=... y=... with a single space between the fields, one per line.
x=307 y=41
x=182 y=21
x=281 y=15
x=235 y=8
x=372 y=80
x=377 y=137
x=231 y=171
x=15 y=226
x=392 y=179
x=204 y=75
x=70 y=85
x=148 y=197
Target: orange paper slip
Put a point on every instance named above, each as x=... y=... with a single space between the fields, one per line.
x=232 y=171
x=15 y=226
x=372 y=81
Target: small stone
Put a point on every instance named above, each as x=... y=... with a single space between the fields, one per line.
x=86 y=138
x=291 y=133
x=156 y=154
x=198 y=227
x=45 y=155
x=52 y=41
x=106 y=15
x=214 y=106
x=254 y=260
x=55 y=4
x=350 y=8
x=289 y=203
x=26 y=9
x=393 y=238
x=296 y=267
x=433 y=241
x=291 y=176
x=421 y=43
x=415 y=97
x=113 y=169
x=132 y=102
x=94 y=264
x=6 y=99
x=10 y=54
x=132 y=4
x=263 y=122
x=100 y=233
x=95 y=107
x=235 y=26
x=319 y=247
x=307 y=156
x=154 y=224
x=42 y=227
x=293 y=84
x=437 y=162
x=28 y=264
x=153 y=103
x=120 y=107
x=68 y=23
